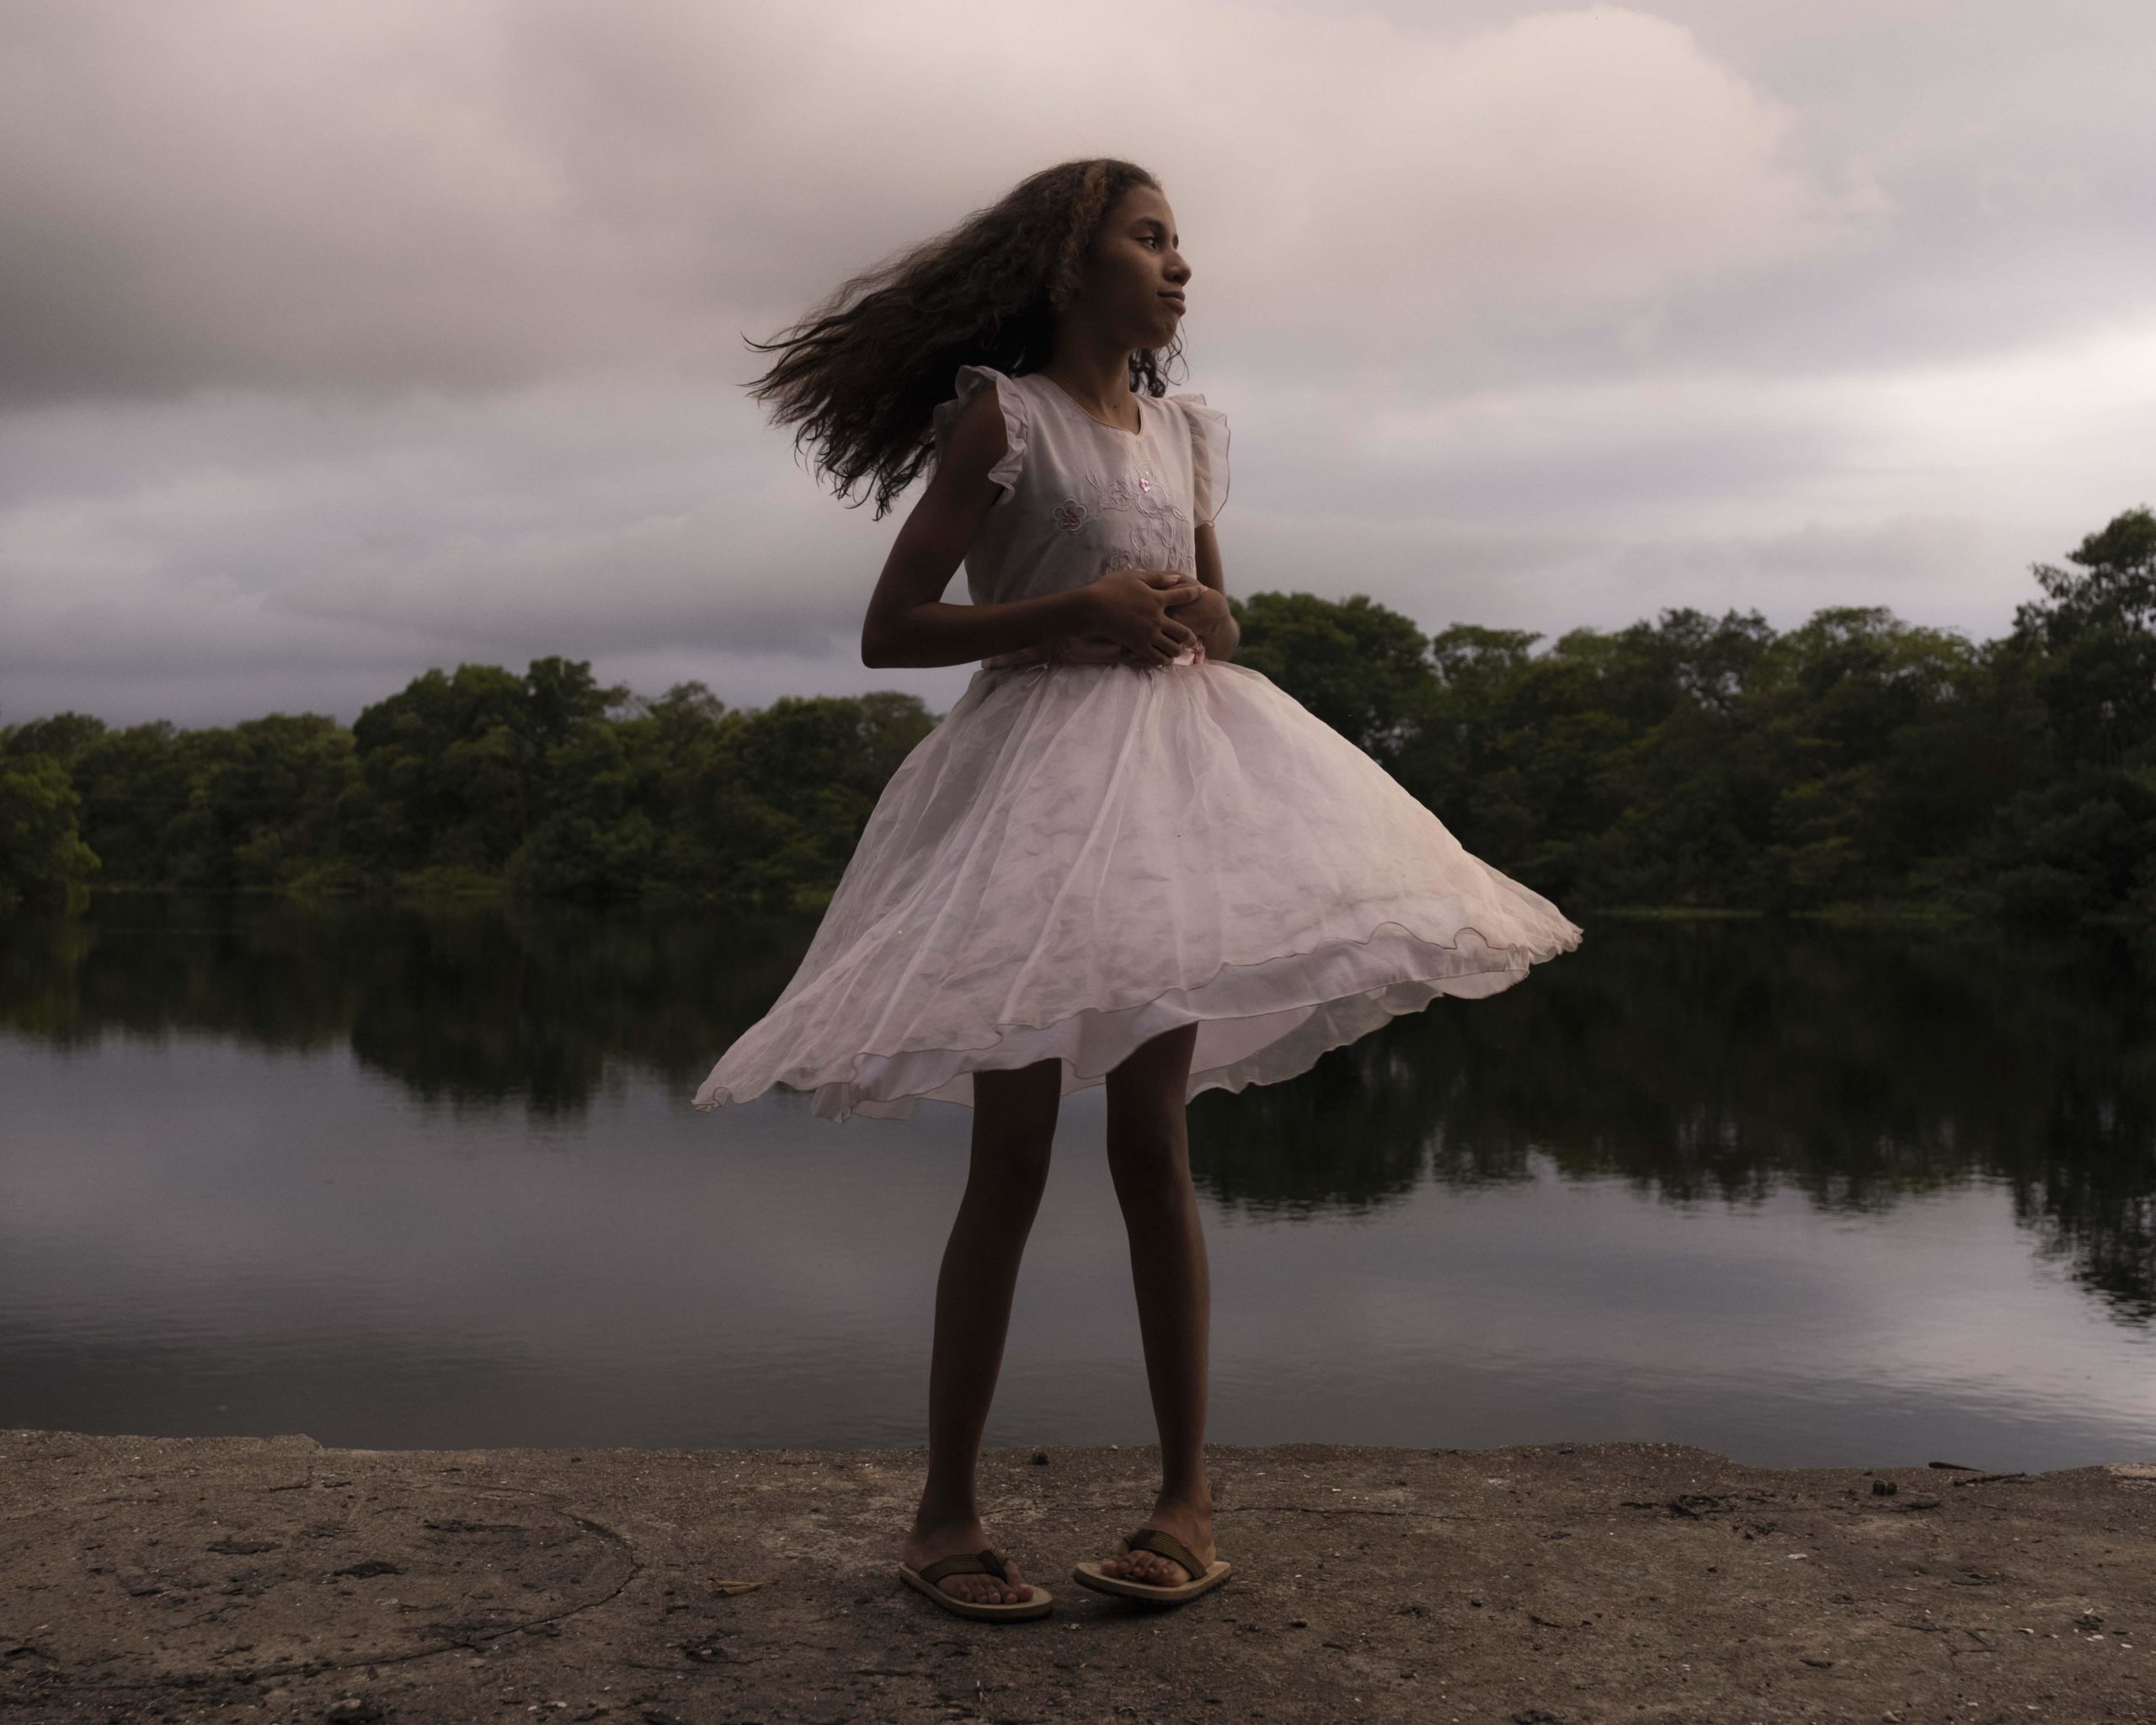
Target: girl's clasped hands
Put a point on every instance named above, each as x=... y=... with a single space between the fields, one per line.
x=1132 y=611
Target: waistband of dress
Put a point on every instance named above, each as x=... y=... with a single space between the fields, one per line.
x=1080 y=650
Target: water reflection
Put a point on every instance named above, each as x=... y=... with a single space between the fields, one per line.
x=1731 y=1059
x=1725 y=1061
x=474 y=1006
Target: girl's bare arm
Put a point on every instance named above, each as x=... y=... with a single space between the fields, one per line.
x=908 y=622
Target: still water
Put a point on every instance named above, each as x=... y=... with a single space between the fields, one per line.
x=401 y=1178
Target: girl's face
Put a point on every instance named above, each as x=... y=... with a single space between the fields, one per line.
x=1132 y=288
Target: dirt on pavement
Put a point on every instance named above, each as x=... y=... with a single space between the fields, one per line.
x=274 y=1579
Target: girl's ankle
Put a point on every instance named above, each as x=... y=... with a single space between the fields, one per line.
x=929 y=1526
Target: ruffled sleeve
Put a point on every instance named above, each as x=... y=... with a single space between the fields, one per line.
x=1208 y=455
x=970 y=380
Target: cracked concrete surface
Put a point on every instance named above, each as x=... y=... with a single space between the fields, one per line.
x=274 y=1579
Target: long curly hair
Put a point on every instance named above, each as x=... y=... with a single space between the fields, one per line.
x=863 y=373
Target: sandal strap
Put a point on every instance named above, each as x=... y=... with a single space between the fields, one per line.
x=988 y=1560
x=1153 y=1539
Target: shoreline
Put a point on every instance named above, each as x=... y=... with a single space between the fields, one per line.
x=230 y=1578
x=496 y=890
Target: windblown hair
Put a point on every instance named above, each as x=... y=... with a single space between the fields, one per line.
x=861 y=374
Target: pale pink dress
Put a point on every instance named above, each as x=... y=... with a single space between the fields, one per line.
x=1083 y=855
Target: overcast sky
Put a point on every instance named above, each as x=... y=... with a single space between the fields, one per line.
x=345 y=339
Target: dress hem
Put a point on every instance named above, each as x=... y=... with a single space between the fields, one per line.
x=1380 y=977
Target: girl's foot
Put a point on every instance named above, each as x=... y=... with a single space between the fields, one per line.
x=1190 y=1522
x=923 y=1548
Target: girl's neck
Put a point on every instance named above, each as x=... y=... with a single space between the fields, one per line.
x=1098 y=381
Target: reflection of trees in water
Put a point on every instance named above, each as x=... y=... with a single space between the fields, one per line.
x=475 y=1006
x=1694 y=1061
x=1731 y=1059
x=481 y=1008
x=148 y=968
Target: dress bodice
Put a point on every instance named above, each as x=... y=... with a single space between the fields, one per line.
x=1080 y=498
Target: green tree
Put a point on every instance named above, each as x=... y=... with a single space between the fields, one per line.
x=42 y=855
x=1359 y=667
x=2095 y=629
x=2080 y=843
x=454 y=765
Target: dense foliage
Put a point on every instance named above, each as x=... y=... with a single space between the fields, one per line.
x=1855 y=761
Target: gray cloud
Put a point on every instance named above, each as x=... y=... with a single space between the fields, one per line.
x=349 y=339
x=503 y=192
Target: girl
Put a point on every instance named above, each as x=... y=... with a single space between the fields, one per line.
x=1121 y=858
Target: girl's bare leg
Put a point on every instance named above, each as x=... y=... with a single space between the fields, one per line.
x=1013 y=1130
x=1149 y=1156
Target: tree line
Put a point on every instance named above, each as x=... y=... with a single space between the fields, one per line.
x=1855 y=762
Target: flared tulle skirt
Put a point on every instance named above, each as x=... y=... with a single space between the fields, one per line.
x=1082 y=856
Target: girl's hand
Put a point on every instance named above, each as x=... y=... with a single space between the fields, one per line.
x=1131 y=607
x=1198 y=606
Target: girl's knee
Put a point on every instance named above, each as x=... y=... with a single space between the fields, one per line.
x=1019 y=1161
x=1148 y=1166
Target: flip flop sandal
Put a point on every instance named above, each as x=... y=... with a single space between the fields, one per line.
x=1152 y=1539
x=988 y=1560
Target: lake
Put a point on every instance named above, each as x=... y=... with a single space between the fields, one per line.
x=399 y=1178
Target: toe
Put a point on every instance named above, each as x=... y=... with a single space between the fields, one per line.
x=1162 y=1571
x=1150 y=1568
x=979 y=1589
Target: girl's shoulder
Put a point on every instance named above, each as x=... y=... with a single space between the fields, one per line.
x=1012 y=404
x=1209 y=450
x=969 y=382
x=1197 y=410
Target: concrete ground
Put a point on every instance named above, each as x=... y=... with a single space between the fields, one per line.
x=239 y=1578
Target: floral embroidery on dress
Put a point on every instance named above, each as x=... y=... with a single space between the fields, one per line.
x=1137 y=521
x=1141 y=492
x=1153 y=544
